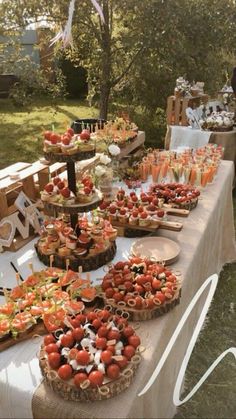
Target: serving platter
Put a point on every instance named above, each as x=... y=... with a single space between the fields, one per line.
x=156 y=248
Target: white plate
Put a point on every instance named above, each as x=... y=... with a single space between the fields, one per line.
x=158 y=248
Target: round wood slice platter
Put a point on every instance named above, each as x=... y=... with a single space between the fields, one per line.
x=67 y=158
x=145 y=314
x=75 y=208
x=68 y=391
x=35 y=330
x=88 y=263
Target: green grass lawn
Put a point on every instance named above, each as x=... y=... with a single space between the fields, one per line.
x=21 y=129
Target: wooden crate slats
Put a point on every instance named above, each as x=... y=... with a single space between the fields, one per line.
x=176 y=108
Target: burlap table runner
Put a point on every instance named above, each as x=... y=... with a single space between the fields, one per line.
x=207 y=242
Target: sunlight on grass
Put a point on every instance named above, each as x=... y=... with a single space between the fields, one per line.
x=21 y=129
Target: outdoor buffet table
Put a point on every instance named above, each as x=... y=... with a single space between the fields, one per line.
x=207 y=243
x=194 y=138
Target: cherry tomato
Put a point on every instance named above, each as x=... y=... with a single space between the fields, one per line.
x=81 y=318
x=54 y=360
x=91 y=316
x=75 y=323
x=149 y=302
x=122 y=364
x=134 y=341
x=104 y=315
x=73 y=353
x=160 y=296
x=138 y=302
x=102 y=331
x=128 y=351
x=156 y=284
x=113 y=334
x=78 y=333
x=65 y=372
x=97 y=323
x=109 y=292
x=49 y=339
x=96 y=378
x=172 y=278
x=67 y=340
x=128 y=331
x=106 y=357
x=106 y=284
x=117 y=297
x=80 y=378
x=82 y=357
x=112 y=349
x=52 y=347
x=128 y=285
x=113 y=371
x=101 y=343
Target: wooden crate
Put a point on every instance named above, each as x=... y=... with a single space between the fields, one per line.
x=176 y=108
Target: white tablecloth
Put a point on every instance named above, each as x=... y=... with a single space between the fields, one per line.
x=188 y=137
x=207 y=242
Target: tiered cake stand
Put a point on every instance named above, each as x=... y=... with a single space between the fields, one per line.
x=86 y=262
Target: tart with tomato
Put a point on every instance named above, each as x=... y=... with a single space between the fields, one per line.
x=176 y=194
x=92 y=357
x=143 y=288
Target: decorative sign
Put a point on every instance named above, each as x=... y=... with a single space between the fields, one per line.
x=11 y=223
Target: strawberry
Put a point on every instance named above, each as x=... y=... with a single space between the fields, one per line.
x=134 y=198
x=85 y=180
x=120 y=204
x=70 y=131
x=122 y=211
x=66 y=139
x=143 y=215
x=155 y=201
x=56 y=180
x=140 y=209
x=132 y=194
x=144 y=198
x=60 y=185
x=89 y=184
x=160 y=213
x=112 y=209
x=48 y=188
x=87 y=190
x=65 y=192
x=130 y=205
x=85 y=135
x=47 y=135
x=135 y=213
x=55 y=138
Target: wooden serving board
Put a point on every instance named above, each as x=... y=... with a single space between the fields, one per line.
x=167 y=225
x=38 y=329
x=176 y=211
x=60 y=157
x=74 y=208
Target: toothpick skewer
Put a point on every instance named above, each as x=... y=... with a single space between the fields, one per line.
x=80 y=270
x=67 y=264
x=31 y=267
x=16 y=270
x=18 y=279
x=6 y=295
x=88 y=276
x=51 y=260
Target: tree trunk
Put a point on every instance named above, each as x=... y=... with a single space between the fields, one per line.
x=105 y=85
x=104 y=100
